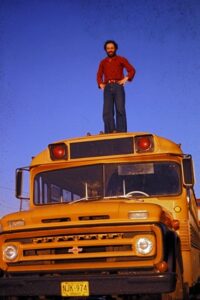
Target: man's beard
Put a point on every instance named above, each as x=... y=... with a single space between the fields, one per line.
x=111 y=53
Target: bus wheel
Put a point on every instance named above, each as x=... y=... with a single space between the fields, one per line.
x=178 y=294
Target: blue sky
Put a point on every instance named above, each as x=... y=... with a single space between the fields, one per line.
x=49 y=55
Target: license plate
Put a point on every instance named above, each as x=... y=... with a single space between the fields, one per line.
x=74 y=288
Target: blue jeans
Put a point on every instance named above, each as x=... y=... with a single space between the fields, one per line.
x=114 y=104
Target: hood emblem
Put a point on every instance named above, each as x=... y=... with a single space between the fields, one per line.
x=75 y=250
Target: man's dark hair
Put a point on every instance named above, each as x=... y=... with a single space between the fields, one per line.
x=110 y=42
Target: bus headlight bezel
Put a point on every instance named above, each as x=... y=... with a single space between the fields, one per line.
x=10 y=252
x=144 y=246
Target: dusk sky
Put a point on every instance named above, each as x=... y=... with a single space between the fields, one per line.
x=49 y=54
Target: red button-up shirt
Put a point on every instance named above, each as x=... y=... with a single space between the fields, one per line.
x=111 y=68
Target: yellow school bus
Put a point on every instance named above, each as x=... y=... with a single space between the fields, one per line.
x=111 y=216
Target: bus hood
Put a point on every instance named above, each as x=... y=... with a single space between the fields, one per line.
x=80 y=213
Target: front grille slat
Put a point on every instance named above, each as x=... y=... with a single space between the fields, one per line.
x=80 y=256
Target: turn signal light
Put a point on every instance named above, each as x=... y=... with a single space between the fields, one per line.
x=176 y=224
x=58 y=151
x=162 y=266
x=144 y=143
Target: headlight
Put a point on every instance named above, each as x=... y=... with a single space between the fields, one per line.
x=144 y=245
x=10 y=252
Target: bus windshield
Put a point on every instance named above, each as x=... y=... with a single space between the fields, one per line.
x=107 y=181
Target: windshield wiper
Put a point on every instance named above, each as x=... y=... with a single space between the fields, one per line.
x=125 y=197
x=78 y=200
x=95 y=198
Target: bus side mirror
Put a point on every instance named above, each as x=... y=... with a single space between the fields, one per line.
x=188 y=171
x=19 y=183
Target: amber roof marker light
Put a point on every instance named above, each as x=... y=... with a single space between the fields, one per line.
x=144 y=143
x=58 y=151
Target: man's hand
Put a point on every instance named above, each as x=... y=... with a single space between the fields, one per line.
x=102 y=86
x=123 y=81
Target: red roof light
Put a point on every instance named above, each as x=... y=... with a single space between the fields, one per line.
x=144 y=143
x=58 y=151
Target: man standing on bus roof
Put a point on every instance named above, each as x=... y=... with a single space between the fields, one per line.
x=111 y=80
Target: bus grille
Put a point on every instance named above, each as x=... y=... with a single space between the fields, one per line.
x=77 y=250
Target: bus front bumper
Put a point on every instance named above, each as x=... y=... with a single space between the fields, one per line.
x=99 y=284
